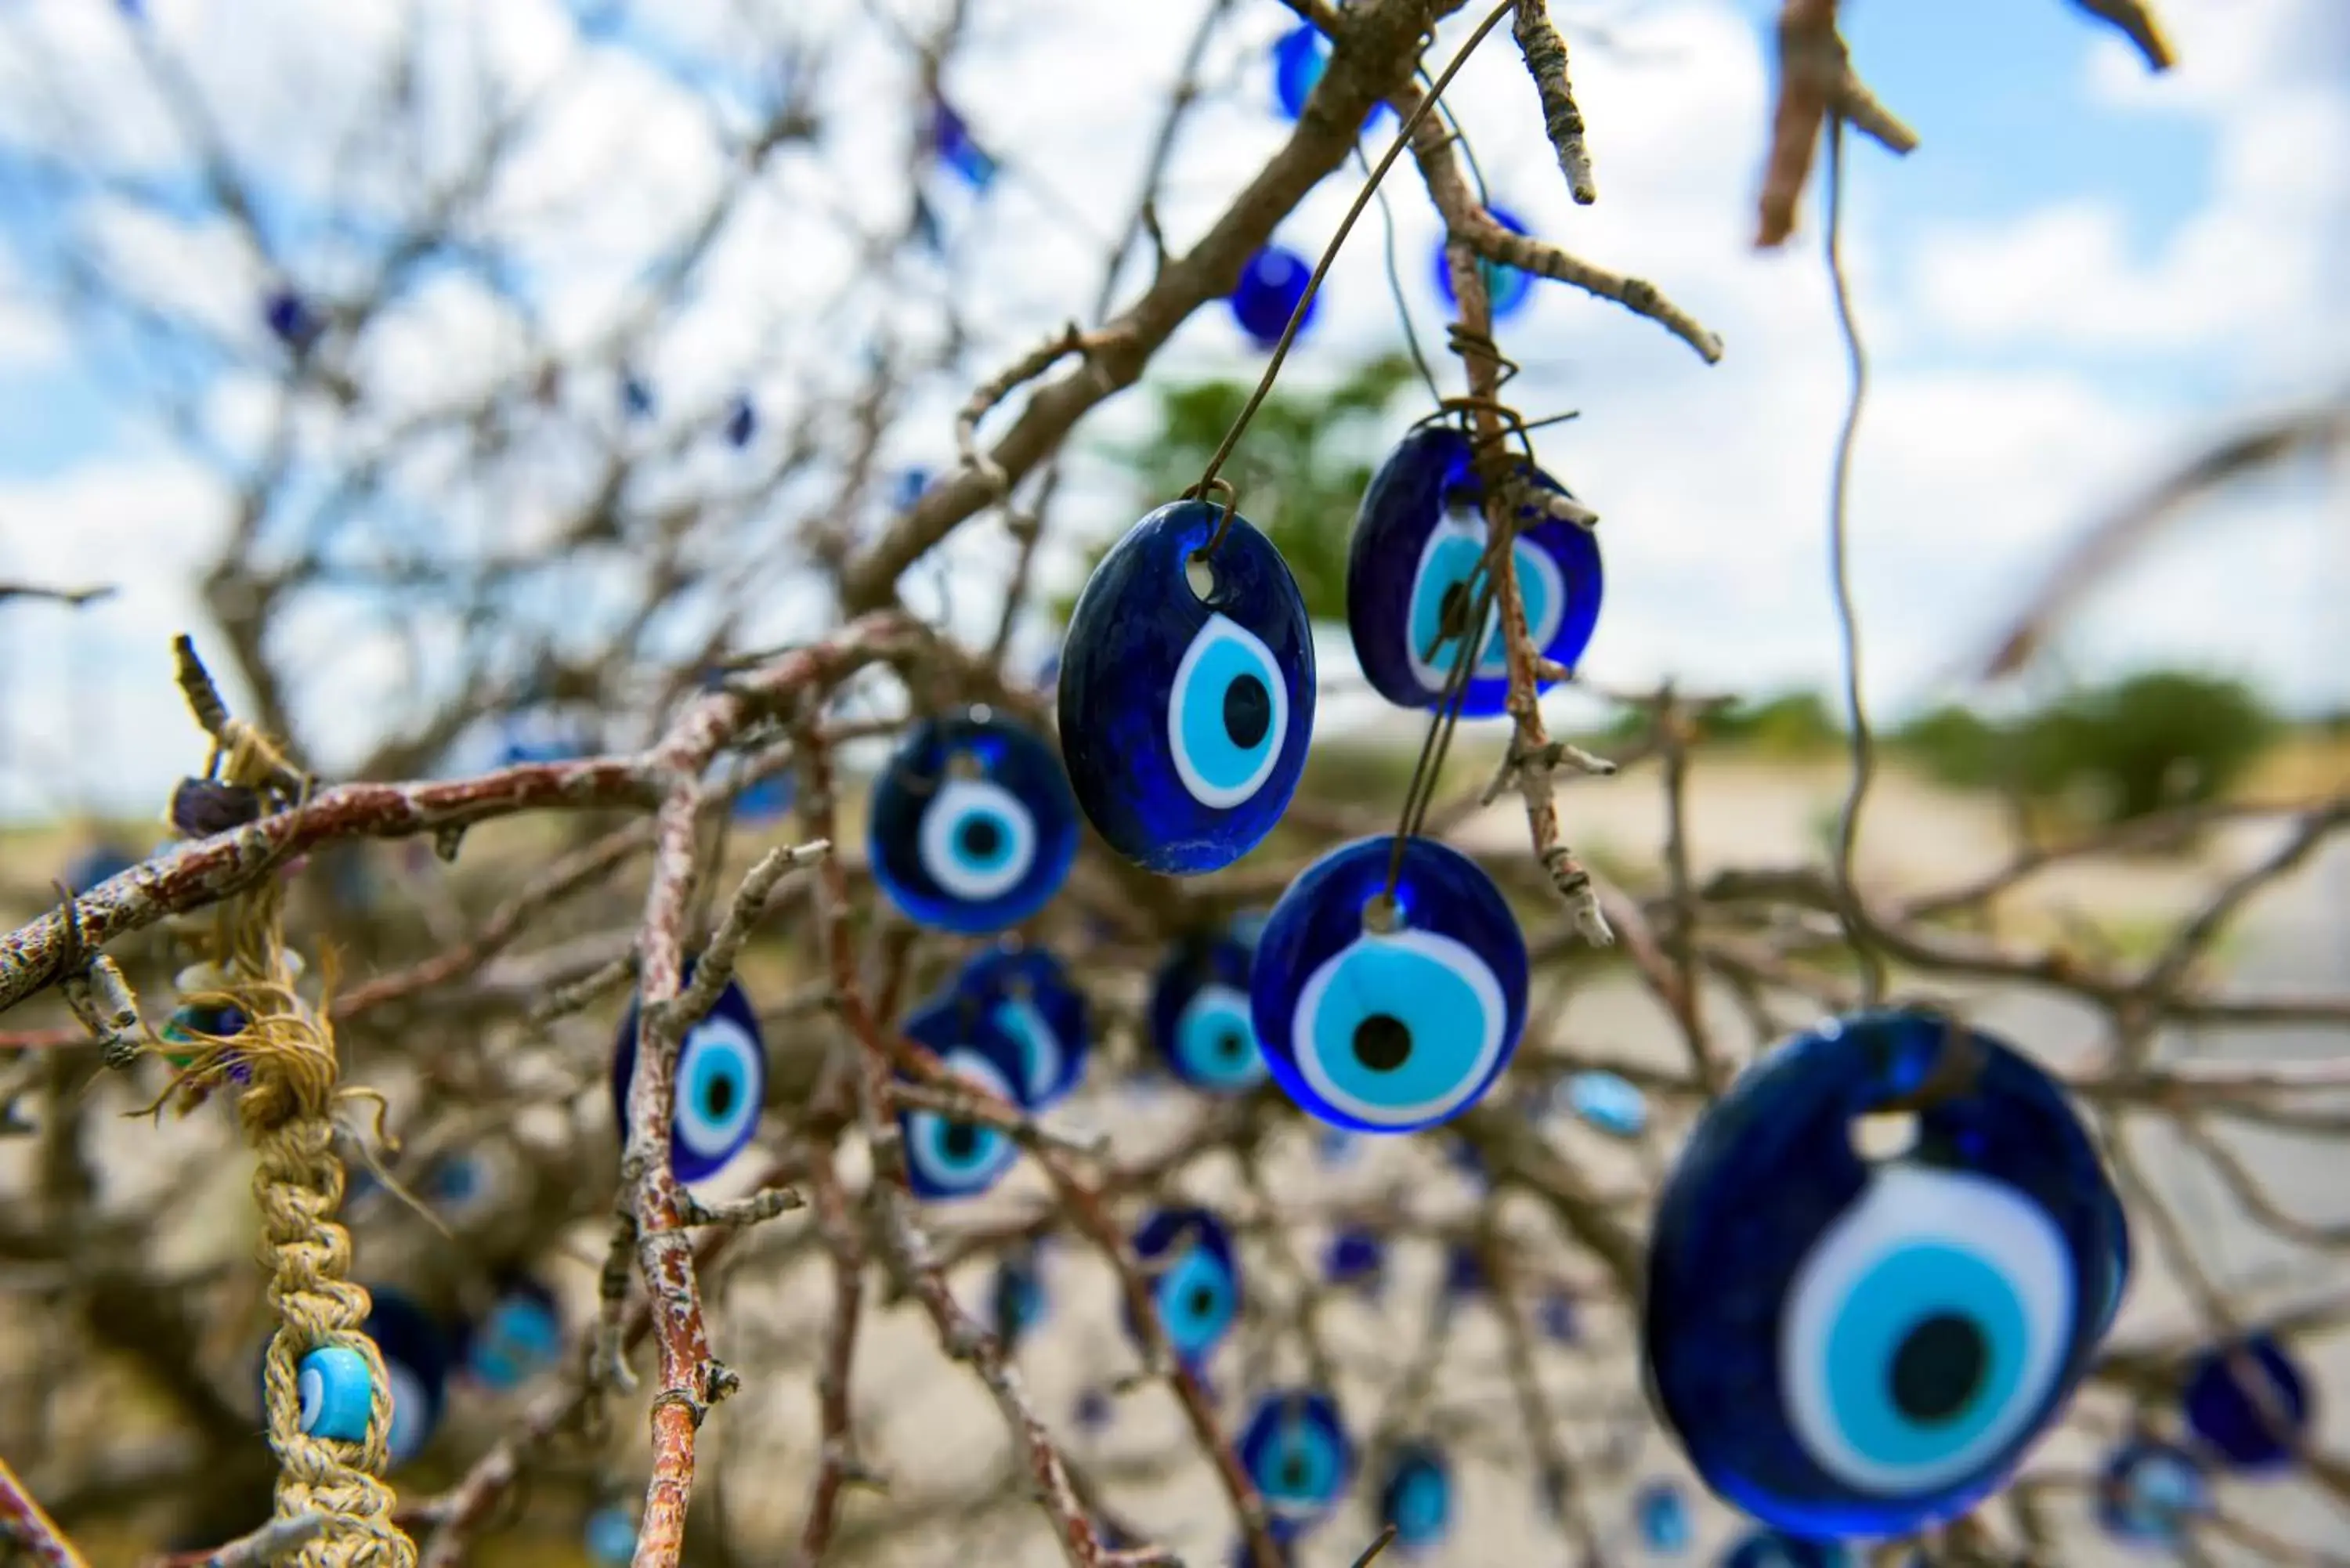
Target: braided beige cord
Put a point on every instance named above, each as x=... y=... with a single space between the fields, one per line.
x=287 y=1112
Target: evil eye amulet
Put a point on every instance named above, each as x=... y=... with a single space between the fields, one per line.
x=1185 y=715
x=1199 y=1016
x=415 y=1352
x=1416 y=1497
x=722 y=1082
x=947 y=1158
x=1027 y=995
x=973 y=827
x=1296 y=1451
x=1774 y=1549
x=2248 y=1403
x=2149 y=1494
x=1507 y=289
x=1389 y=1030
x=1870 y=1350
x=1414 y=574
x=1195 y=1280
x=519 y=1337
x=337 y=1393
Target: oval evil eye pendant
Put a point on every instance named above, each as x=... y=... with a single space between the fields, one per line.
x=1200 y=1016
x=972 y=827
x=1027 y=995
x=722 y=1082
x=1772 y=1549
x=1870 y=1352
x=1185 y=710
x=2149 y=1494
x=1195 y=1281
x=520 y=1337
x=1416 y=1497
x=1266 y=297
x=1415 y=572
x=1389 y=1029
x=1661 y=1517
x=1295 y=1448
x=1507 y=289
x=2248 y=1402
x=416 y=1365
x=947 y=1158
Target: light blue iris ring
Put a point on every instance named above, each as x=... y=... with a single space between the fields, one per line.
x=1227 y=678
x=1399 y=1029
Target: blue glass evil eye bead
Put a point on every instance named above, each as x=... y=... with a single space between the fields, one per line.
x=1393 y=1029
x=520 y=1337
x=1775 y=1549
x=1298 y=62
x=1414 y=573
x=1184 y=715
x=1661 y=1516
x=1416 y=1497
x=416 y=1366
x=947 y=1158
x=722 y=1084
x=336 y=1392
x=1017 y=1297
x=1507 y=289
x=612 y=1536
x=1195 y=1280
x=1871 y=1351
x=1354 y=1258
x=2151 y=1492
x=1199 y=1016
x=1296 y=1450
x=2248 y=1402
x=1608 y=1102
x=1266 y=297
x=1026 y=994
x=972 y=826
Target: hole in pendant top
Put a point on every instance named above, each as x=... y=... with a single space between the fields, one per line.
x=1884 y=1136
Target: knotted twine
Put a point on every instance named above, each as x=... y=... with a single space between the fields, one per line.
x=285 y=1055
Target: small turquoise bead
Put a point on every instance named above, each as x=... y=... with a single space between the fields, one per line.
x=338 y=1392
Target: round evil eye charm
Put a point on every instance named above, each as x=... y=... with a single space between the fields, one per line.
x=1415 y=573
x=2248 y=1403
x=519 y=1337
x=1199 y=1016
x=1299 y=59
x=415 y=1353
x=1775 y=1549
x=1871 y=1351
x=1396 y=1013
x=1661 y=1516
x=1195 y=1281
x=1416 y=1497
x=973 y=827
x=1296 y=1451
x=1507 y=289
x=337 y=1393
x=1185 y=710
x=1026 y=994
x=722 y=1082
x=1270 y=285
x=2149 y=1494
x=947 y=1158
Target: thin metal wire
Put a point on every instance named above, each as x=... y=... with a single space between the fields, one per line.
x=1329 y=255
x=1873 y=976
x=1395 y=286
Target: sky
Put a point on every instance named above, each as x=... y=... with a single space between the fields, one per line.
x=2084 y=273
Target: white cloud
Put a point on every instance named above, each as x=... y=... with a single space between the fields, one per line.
x=2253 y=274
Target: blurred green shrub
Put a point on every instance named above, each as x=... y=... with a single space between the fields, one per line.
x=2148 y=742
x=1300 y=472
